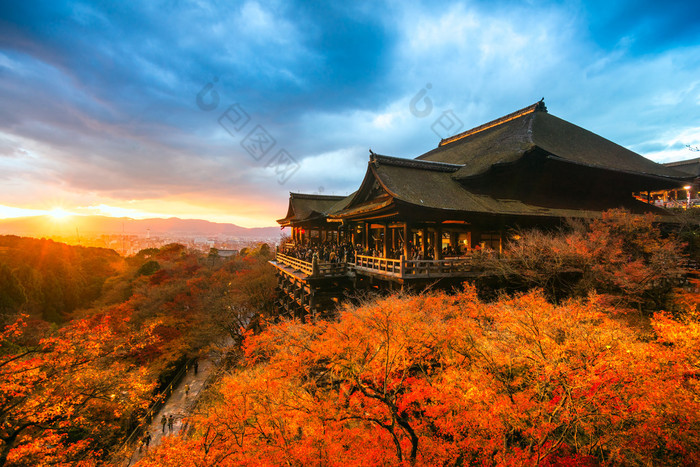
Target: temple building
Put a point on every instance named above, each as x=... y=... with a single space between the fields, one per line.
x=412 y=221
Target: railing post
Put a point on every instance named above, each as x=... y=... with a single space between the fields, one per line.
x=314 y=266
x=401 y=265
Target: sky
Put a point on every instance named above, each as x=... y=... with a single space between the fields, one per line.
x=218 y=109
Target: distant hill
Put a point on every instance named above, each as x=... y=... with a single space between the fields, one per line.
x=45 y=226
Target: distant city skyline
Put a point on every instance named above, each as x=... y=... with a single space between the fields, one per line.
x=215 y=111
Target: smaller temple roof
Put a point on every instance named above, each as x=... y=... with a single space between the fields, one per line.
x=690 y=166
x=306 y=206
x=342 y=204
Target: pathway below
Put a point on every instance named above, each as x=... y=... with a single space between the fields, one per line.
x=179 y=405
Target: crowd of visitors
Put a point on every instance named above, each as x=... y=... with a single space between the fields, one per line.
x=332 y=252
x=327 y=252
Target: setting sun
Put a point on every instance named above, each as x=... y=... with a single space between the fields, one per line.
x=59 y=214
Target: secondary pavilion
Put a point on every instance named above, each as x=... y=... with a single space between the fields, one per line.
x=526 y=169
x=307 y=217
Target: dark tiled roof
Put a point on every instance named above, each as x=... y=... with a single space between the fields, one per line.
x=438 y=190
x=303 y=206
x=441 y=179
x=512 y=137
x=342 y=204
x=690 y=166
x=434 y=166
x=537 y=107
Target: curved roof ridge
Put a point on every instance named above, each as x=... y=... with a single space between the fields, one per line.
x=536 y=107
x=379 y=159
x=315 y=196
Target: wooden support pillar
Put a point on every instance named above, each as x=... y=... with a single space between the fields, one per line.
x=406 y=245
x=365 y=246
x=424 y=242
x=437 y=247
x=386 y=241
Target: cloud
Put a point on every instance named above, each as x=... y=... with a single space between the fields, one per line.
x=99 y=101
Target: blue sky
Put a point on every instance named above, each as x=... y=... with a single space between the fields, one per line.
x=100 y=113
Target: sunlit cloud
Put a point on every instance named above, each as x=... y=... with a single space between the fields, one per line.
x=7 y=212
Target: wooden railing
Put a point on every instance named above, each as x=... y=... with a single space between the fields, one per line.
x=295 y=263
x=415 y=268
x=401 y=268
x=323 y=269
x=391 y=267
x=436 y=268
x=332 y=269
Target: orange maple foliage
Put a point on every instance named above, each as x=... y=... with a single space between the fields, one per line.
x=70 y=395
x=622 y=255
x=64 y=393
x=449 y=380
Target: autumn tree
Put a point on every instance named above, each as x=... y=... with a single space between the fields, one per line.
x=64 y=393
x=442 y=380
x=622 y=255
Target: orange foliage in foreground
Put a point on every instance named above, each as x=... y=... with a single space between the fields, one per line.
x=448 y=380
x=64 y=393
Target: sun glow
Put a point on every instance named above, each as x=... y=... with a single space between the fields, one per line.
x=59 y=214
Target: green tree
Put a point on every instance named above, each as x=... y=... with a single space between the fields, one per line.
x=12 y=295
x=148 y=268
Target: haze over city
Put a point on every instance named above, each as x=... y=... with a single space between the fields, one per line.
x=144 y=110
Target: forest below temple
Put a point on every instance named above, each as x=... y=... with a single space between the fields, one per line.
x=582 y=348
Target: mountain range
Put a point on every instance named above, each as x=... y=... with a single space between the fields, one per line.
x=48 y=226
